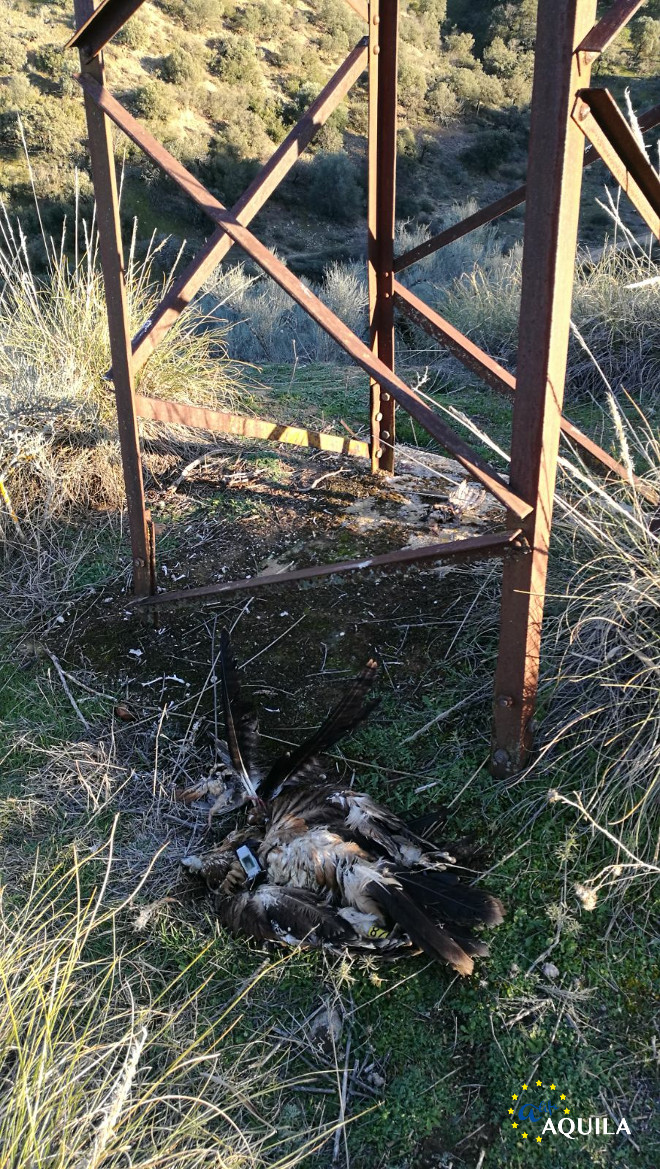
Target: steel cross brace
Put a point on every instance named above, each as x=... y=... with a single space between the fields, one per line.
x=477 y=466
x=251 y=201
x=499 y=378
x=601 y=121
x=568 y=41
x=647 y=121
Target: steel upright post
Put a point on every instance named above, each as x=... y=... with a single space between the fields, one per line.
x=112 y=263
x=383 y=55
x=554 y=178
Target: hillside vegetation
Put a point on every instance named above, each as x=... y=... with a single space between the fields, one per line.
x=220 y=83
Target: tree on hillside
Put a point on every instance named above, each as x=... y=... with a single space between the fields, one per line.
x=645 y=40
x=515 y=22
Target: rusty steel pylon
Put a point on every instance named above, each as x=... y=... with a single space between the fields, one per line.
x=566 y=113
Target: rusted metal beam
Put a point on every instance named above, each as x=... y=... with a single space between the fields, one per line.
x=499 y=378
x=181 y=414
x=477 y=466
x=647 y=121
x=383 y=53
x=464 y=227
x=112 y=263
x=472 y=548
x=553 y=203
x=474 y=358
x=250 y=203
x=601 y=121
x=106 y=20
x=600 y=37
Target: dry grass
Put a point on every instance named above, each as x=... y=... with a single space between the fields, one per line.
x=614 y=308
x=102 y=1058
x=58 y=450
x=59 y=455
x=602 y=732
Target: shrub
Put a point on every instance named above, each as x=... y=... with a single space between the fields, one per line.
x=269 y=111
x=334 y=44
x=476 y=88
x=261 y=19
x=230 y=164
x=459 y=48
x=236 y=61
x=152 y=101
x=518 y=90
x=267 y=325
x=12 y=54
x=331 y=136
x=333 y=15
x=287 y=53
x=335 y=189
x=50 y=125
x=500 y=58
x=645 y=38
x=604 y=717
x=196 y=15
x=180 y=67
x=134 y=34
x=412 y=84
x=441 y=102
x=488 y=150
x=516 y=22
x=203 y=15
x=437 y=9
x=406 y=143
x=53 y=355
x=50 y=59
x=17 y=94
x=106 y=1057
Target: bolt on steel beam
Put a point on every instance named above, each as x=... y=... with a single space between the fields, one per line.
x=383 y=53
x=471 y=548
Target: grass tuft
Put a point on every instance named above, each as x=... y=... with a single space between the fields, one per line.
x=103 y=1058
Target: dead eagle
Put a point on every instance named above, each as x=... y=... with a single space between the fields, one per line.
x=325 y=865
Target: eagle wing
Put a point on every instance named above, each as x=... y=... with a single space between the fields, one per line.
x=345 y=716
x=241 y=720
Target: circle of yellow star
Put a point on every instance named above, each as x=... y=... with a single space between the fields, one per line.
x=514 y=1097
x=567 y=1110
x=552 y=1087
x=514 y=1125
x=562 y=1097
x=524 y=1087
x=511 y=1112
x=538 y=1140
x=525 y=1135
x=538 y=1083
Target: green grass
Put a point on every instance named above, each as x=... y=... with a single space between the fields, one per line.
x=322 y=395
